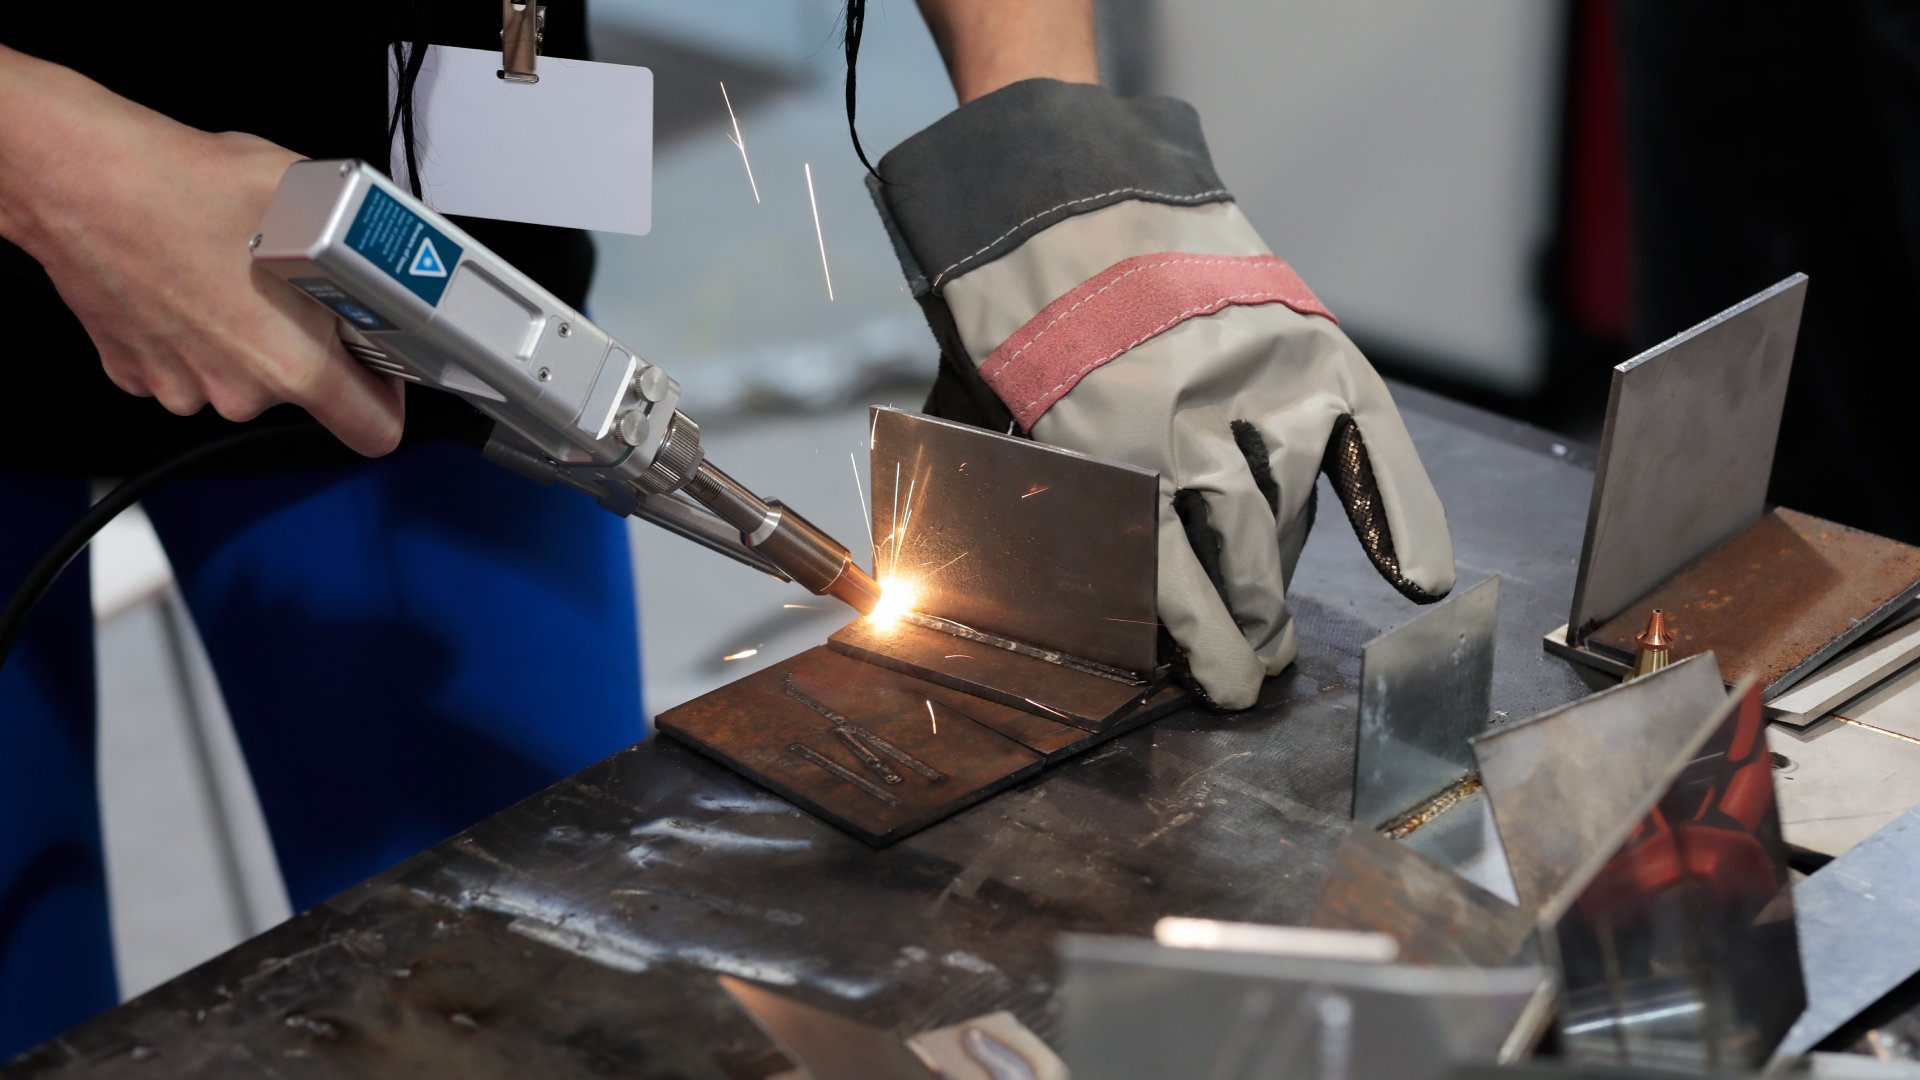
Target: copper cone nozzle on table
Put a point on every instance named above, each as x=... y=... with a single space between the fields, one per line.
x=1656 y=646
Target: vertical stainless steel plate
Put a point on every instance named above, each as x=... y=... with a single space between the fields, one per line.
x=1688 y=450
x=1425 y=689
x=1026 y=541
x=1565 y=783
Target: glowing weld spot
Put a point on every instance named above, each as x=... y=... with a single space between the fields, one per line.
x=897 y=597
x=742 y=654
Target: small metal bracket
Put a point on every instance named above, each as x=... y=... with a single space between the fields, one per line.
x=522 y=29
x=1425 y=688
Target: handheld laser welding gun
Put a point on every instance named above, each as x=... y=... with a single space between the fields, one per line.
x=419 y=299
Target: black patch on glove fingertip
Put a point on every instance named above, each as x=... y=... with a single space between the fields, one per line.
x=1254 y=449
x=1351 y=471
x=1197 y=522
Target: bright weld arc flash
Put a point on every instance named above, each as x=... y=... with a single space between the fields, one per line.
x=897 y=597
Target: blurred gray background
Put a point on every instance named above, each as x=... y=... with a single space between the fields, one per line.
x=1402 y=156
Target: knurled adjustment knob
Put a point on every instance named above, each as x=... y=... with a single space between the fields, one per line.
x=679 y=455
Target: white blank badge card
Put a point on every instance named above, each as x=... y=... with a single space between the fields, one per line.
x=574 y=149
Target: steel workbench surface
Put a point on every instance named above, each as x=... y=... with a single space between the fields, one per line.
x=578 y=933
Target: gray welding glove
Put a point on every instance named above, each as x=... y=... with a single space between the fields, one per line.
x=1092 y=284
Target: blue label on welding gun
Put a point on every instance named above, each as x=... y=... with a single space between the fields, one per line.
x=397 y=240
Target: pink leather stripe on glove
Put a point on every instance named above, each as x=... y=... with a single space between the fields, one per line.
x=1124 y=306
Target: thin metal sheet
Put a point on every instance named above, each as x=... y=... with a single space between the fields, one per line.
x=1019 y=539
x=1137 y=1011
x=1859 y=930
x=1857 y=672
x=1782 y=597
x=1425 y=689
x=1680 y=949
x=1687 y=450
x=1840 y=782
x=1892 y=707
x=1564 y=783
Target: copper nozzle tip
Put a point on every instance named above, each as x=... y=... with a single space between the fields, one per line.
x=1656 y=635
x=856 y=588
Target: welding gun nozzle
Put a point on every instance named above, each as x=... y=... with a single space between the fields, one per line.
x=856 y=587
x=795 y=545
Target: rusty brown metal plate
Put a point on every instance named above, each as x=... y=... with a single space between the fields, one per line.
x=774 y=726
x=787 y=728
x=1045 y=735
x=1084 y=700
x=1437 y=916
x=1777 y=600
x=1030 y=542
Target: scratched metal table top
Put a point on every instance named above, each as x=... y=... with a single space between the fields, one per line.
x=578 y=933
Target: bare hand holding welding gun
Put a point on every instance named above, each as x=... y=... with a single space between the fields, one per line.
x=1092 y=283
x=142 y=223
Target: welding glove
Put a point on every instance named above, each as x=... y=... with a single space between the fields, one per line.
x=1091 y=283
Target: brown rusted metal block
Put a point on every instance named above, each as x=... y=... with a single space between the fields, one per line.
x=1437 y=916
x=1080 y=698
x=1045 y=735
x=1775 y=601
x=773 y=726
x=801 y=729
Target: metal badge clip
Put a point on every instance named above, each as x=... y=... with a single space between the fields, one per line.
x=522 y=26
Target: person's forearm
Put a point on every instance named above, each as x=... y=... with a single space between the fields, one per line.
x=988 y=44
x=46 y=115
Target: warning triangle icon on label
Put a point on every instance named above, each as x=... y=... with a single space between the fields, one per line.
x=426 y=261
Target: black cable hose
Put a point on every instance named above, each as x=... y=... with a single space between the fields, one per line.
x=71 y=543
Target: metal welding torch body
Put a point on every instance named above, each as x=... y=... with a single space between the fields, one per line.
x=421 y=300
